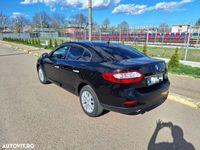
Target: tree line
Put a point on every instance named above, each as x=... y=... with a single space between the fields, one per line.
x=39 y=20
x=21 y=23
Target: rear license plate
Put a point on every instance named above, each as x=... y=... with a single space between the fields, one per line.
x=154 y=79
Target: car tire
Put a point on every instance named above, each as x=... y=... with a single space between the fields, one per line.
x=90 y=102
x=42 y=77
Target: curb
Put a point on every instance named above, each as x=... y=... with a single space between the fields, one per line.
x=36 y=54
x=184 y=100
x=30 y=51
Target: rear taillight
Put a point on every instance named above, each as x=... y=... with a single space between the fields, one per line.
x=123 y=76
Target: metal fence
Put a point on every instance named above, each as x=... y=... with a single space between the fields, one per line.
x=16 y=35
x=141 y=36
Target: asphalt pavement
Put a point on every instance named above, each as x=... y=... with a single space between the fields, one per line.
x=52 y=119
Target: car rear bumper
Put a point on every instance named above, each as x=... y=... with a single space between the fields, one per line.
x=145 y=102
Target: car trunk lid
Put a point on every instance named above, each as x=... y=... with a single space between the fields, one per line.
x=153 y=70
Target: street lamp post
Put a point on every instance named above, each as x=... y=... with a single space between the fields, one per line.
x=90 y=19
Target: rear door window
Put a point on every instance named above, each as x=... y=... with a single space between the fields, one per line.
x=86 y=56
x=75 y=53
x=78 y=54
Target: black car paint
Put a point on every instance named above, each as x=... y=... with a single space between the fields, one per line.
x=110 y=95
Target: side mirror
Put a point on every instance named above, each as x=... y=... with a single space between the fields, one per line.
x=44 y=54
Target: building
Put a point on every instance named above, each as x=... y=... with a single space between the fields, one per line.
x=6 y=29
x=72 y=29
x=180 y=28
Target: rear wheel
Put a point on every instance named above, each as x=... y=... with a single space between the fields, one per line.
x=89 y=102
x=42 y=76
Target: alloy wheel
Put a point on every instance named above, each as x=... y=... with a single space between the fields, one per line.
x=87 y=101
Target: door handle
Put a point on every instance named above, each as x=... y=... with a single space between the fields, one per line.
x=76 y=71
x=57 y=67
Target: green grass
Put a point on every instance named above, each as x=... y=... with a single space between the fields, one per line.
x=59 y=40
x=42 y=42
x=164 y=52
x=186 y=70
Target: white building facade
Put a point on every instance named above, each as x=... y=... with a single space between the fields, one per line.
x=180 y=28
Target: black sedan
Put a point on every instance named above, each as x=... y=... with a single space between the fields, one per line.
x=106 y=76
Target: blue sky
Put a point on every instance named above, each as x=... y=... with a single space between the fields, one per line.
x=135 y=12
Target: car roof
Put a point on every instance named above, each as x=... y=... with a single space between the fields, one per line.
x=92 y=43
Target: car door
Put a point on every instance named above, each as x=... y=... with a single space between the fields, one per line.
x=52 y=64
x=71 y=70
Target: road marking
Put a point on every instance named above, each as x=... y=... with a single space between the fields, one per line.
x=36 y=54
x=183 y=100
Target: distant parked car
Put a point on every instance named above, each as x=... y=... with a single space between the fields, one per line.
x=106 y=76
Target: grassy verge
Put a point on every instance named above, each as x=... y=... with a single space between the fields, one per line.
x=38 y=42
x=165 y=52
x=186 y=70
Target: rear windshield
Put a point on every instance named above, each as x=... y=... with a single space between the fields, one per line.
x=117 y=52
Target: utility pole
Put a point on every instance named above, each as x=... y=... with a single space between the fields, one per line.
x=90 y=19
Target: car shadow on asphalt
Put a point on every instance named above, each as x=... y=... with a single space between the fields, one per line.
x=179 y=143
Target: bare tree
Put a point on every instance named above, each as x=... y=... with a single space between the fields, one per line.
x=3 y=21
x=198 y=23
x=164 y=27
x=82 y=20
x=113 y=29
x=41 y=20
x=124 y=27
x=106 y=24
x=79 y=19
x=95 y=26
x=58 y=21
x=18 y=23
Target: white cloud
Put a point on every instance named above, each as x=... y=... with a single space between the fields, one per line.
x=104 y=3
x=16 y=14
x=170 y=6
x=130 y=9
x=30 y=1
x=140 y=9
x=165 y=6
x=82 y=4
